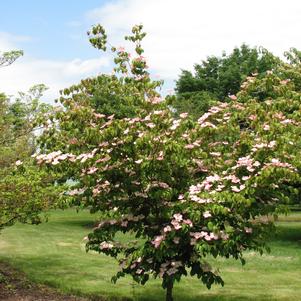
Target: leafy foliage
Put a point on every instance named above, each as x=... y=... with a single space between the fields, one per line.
x=8 y=57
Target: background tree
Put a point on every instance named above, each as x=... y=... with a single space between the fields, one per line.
x=216 y=78
x=24 y=190
x=186 y=190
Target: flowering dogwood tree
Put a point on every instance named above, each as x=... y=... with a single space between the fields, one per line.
x=185 y=190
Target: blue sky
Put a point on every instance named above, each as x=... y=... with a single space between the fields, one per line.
x=181 y=33
x=54 y=27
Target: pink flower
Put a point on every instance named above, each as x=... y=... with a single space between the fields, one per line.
x=224 y=235
x=150 y=125
x=215 y=154
x=286 y=121
x=92 y=170
x=214 y=236
x=188 y=222
x=178 y=217
x=176 y=240
x=207 y=237
x=167 y=229
x=248 y=230
x=285 y=81
x=18 y=163
x=235 y=189
x=96 y=116
x=208 y=124
x=189 y=146
x=156 y=100
x=233 y=97
x=183 y=115
x=96 y=191
x=207 y=214
x=181 y=197
x=161 y=155
x=176 y=224
x=198 y=235
x=204 y=117
x=106 y=245
x=266 y=127
x=157 y=241
x=124 y=223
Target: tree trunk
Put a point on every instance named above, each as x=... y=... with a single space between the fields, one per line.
x=169 y=291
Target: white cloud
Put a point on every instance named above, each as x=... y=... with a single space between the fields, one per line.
x=182 y=33
x=9 y=41
x=56 y=75
x=28 y=71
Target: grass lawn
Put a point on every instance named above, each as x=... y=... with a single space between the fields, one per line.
x=53 y=253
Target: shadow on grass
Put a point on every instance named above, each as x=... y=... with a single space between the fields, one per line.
x=87 y=224
x=288 y=234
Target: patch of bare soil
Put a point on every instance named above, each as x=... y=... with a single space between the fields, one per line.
x=15 y=287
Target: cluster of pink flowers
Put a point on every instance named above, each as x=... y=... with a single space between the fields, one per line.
x=57 y=156
x=183 y=115
x=101 y=187
x=208 y=124
x=233 y=178
x=175 y=123
x=277 y=163
x=194 y=190
x=169 y=267
x=195 y=236
x=209 y=182
x=175 y=224
x=192 y=145
x=211 y=111
x=270 y=145
x=266 y=127
x=249 y=80
x=123 y=222
x=157 y=241
x=247 y=162
x=285 y=81
x=252 y=117
x=248 y=230
x=18 y=163
x=106 y=245
x=77 y=191
x=238 y=189
x=156 y=100
x=158 y=184
x=287 y=121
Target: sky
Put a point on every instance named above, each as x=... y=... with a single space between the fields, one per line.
x=180 y=33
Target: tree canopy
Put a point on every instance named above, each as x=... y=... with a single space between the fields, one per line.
x=216 y=78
